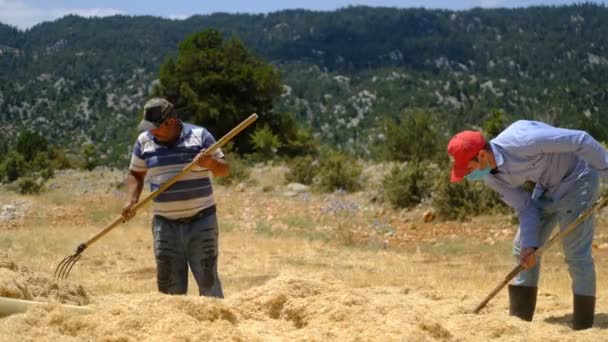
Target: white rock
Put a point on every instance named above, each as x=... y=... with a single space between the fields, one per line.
x=290 y=194
x=297 y=188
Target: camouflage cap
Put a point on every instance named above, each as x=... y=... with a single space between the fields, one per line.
x=156 y=110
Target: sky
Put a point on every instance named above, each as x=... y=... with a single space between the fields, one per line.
x=24 y=14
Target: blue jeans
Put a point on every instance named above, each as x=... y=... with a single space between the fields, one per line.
x=577 y=244
x=182 y=243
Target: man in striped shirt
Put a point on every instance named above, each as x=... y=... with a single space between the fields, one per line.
x=184 y=226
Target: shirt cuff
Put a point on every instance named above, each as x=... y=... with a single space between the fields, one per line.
x=529 y=238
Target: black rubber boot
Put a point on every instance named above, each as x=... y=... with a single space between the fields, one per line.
x=522 y=301
x=584 y=309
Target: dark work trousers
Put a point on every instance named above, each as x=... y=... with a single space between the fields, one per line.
x=187 y=242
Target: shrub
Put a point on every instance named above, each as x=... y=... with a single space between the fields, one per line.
x=13 y=167
x=47 y=173
x=59 y=160
x=342 y=212
x=42 y=166
x=27 y=185
x=415 y=135
x=301 y=170
x=465 y=199
x=239 y=170
x=300 y=142
x=296 y=140
x=265 y=143
x=406 y=186
x=339 y=172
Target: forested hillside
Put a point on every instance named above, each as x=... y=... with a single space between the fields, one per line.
x=80 y=80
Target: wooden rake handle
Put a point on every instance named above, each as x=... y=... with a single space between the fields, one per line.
x=558 y=236
x=236 y=130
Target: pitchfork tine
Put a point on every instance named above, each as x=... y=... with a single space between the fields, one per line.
x=65 y=266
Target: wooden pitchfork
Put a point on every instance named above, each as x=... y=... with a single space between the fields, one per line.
x=558 y=236
x=65 y=266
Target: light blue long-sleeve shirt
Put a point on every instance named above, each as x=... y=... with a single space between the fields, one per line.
x=551 y=157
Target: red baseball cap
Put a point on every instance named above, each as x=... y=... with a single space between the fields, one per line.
x=463 y=147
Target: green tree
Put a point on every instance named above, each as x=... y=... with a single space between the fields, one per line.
x=595 y=126
x=219 y=83
x=3 y=149
x=495 y=124
x=30 y=143
x=90 y=157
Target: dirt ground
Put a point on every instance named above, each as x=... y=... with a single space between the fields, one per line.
x=295 y=267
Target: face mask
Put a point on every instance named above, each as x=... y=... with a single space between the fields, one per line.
x=478 y=174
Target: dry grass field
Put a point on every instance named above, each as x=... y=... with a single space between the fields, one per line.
x=295 y=267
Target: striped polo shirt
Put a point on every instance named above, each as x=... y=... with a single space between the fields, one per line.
x=192 y=192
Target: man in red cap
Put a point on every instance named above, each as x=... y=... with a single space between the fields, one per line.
x=565 y=165
x=464 y=147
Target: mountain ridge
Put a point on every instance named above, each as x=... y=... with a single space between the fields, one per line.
x=79 y=80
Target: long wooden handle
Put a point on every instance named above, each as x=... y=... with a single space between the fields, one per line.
x=600 y=203
x=236 y=130
x=499 y=287
x=558 y=236
x=10 y=306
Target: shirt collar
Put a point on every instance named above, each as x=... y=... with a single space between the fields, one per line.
x=186 y=129
x=185 y=132
x=498 y=157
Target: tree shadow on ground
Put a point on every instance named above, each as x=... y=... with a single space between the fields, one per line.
x=600 y=322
